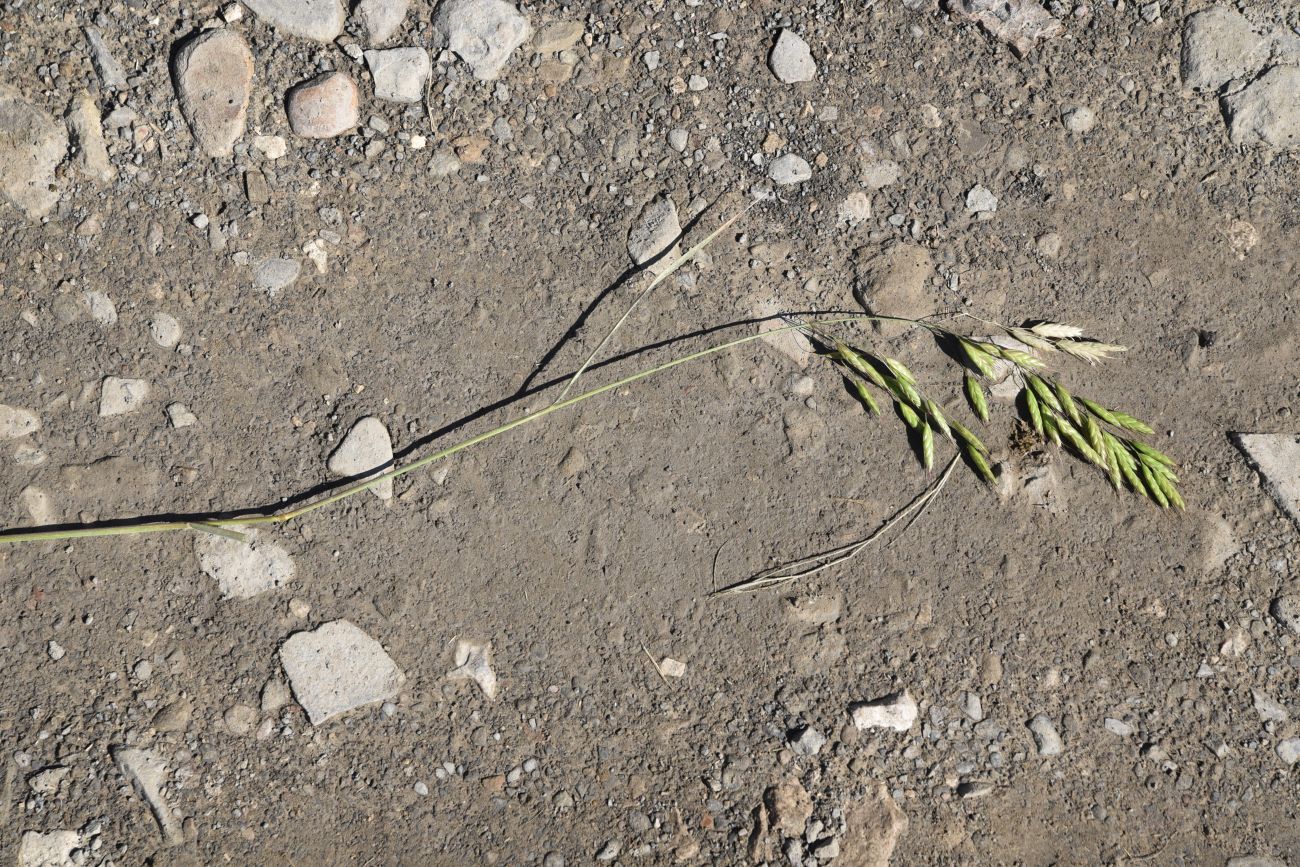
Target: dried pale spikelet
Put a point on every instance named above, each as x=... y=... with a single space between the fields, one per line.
x=1031 y=339
x=1090 y=351
x=1055 y=330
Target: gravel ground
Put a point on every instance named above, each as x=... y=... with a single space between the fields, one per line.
x=250 y=251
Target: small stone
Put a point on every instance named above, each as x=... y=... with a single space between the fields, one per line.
x=1079 y=119
x=276 y=274
x=31 y=146
x=400 y=74
x=17 y=422
x=656 y=232
x=87 y=131
x=213 y=75
x=807 y=741
x=381 y=19
x=972 y=706
x=873 y=826
x=232 y=13
x=1288 y=750
x=101 y=307
x=670 y=667
x=1019 y=23
x=573 y=463
x=1268 y=708
x=119 y=395
x=272 y=147
x=147 y=772
x=557 y=36
x=48 y=781
x=421 y=789
x=1277 y=458
x=980 y=200
x=110 y=71
x=240 y=720
x=1267 y=111
x=789 y=169
x=275 y=696
x=319 y=20
x=1045 y=736
x=473 y=662
x=299 y=608
x=366 y=451
x=790 y=59
x=678 y=139
x=1286 y=610
x=243 y=569
x=1219 y=44
x=651 y=60
x=1118 y=727
x=1049 y=244
x=338 y=668
x=444 y=163
x=49 y=849
x=165 y=330
x=880 y=174
x=483 y=33
x=897 y=711
x=854 y=210
x=697 y=83
x=39 y=505
x=55 y=650
x=789 y=807
x=609 y=851
x=324 y=107
x=174 y=717
x=179 y=415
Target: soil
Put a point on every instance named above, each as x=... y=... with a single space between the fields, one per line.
x=584 y=548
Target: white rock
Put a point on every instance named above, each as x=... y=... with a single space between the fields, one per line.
x=789 y=169
x=17 y=422
x=55 y=650
x=880 y=173
x=1267 y=111
x=980 y=200
x=243 y=569
x=790 y=59
x=1286 y=609
x=165 y=330
x=855 y=208
x=473 y=662
x=275 y=274
x=1117 y=727
x=1289 y=750
x=483 y=33
x=31 y=146
x=1276 y=456
x=444 y=163
x=670 y=667
x=656 y=231
x=119 y=395
x=696 y=83
x=213 y=76
x=400 y=74
x=972 y=706
x=49 y=849
x=338 y=668
x=1079 y=119
x=1045 y=736
x=365 y=451
x=1219 y=45
x=381 y=18
x=1268 y=708
x=678 y=139
x=321 y=20
x=147 y=773
x=897 y=712
x=180 y=416
x=271 y=146
x=101 y=307
x=39 y=505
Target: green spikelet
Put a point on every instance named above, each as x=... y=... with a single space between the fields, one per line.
x=975 y=397
x=863 y=394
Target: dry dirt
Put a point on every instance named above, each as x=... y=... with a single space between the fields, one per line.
x=584 y=546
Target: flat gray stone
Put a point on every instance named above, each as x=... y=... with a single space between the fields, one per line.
x=1267 y=111
x=147 y=772
x=400 y=74
x=31 y=147
x=119 y=395
x=86 y=126
x=48 y=849
x=1219 y=45
x=980 y=200
x=275 y=274
x=791 y=59
x=17 y=422
x=381 y=18
x=213 y=76
x=321 y=20
x=656 y=231
x=1277 y=457
x=325 y=106
x=110 y=71
x=1045 y=735
x=242 y=570
x=789 y=169
x=367 y=449
x=483 y=33
x=338 y=668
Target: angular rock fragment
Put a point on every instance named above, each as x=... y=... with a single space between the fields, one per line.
x=48 y=849
x=17 y=422
x=119 y=395
x=791 y=60
x=1022 y=24
x=320 y=20
x=338 y=668
x=87 y=130
x=31 y=147
x=1277 y=457
x=874 y=824
x=656 y=232
x=483 y=33
x=400 y=74
x=243 y=569
x=473 y=662
x=367 y=449
x=213 y=75
x=1219 y=44
x=897 y=711
x=381 y=18
x=1267 y=111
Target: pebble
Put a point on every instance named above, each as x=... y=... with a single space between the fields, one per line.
x=275 y=695
x=789 y=169
x=696 y=83
x=87 y=132
x=873 y=825
x=473 y=662
x=1277 y=457
x=319 y=20
x=791 y=59
x=119 y=395
x=31 y=147
x=147 y=772
x=338 y=668
x=381 y=19
x=880 y=174
x=1288 y=750
x=980 y=200
x=242 y=570
x=110 y=71
x=609 y=851
x=1048 y=244
x=1286 y=610
x=240 y=720
x=553 y=859
x=656 y=231
x=1118 y=727
x=1219 y=44
x=670 y=667
x=1267 y=111
x=897 y=711
x=677 y=139
x=400 y=74
x=1045 y=736
x=55 y=650
x=366 y=451
x=971 y=789
x=213 y=76
x=972 y=706
x=789 y=807
x=1079 y=119
x=1268 y=708
x=180 y=416
x=101 y=307
x=275 y=274
x=143 y=670
x=165 y=330
x=325 y=106
x=807 y=741
x=39 y=505
x=421 y=789
x=483 y=33
x=17 y=422
x=854 y=210
x=272 y=147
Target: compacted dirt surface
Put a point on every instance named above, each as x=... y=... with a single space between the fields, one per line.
x=517 y=659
